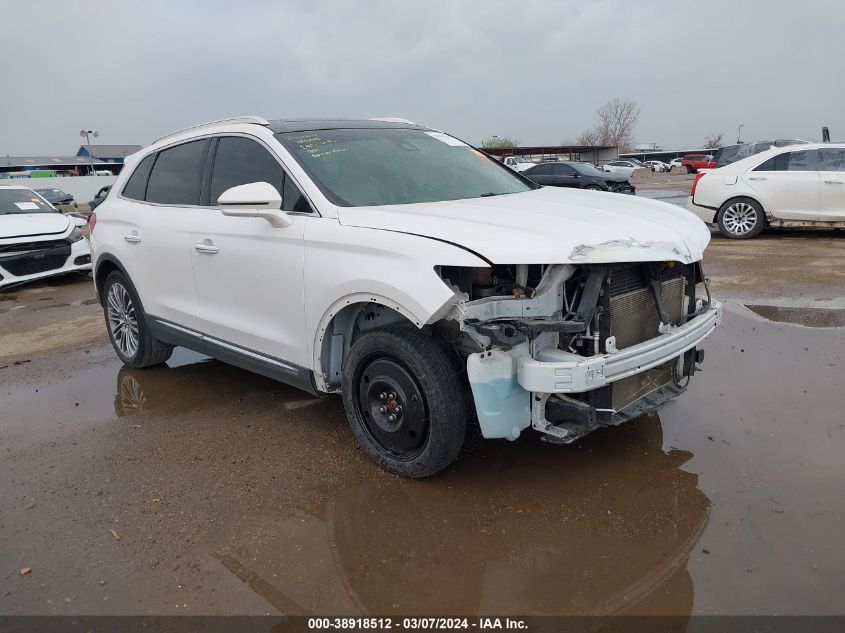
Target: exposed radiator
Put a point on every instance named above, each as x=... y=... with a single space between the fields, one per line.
x=634 y=319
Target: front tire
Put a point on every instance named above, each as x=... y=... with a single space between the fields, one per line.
x=741 y=219
x=127 y=326
x=404 y=402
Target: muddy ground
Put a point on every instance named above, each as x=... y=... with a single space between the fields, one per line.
x=198 y=488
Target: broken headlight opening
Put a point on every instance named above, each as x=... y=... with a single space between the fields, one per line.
x=568 y=331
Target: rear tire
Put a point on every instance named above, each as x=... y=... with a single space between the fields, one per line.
x=741 y=219
x=127 y=325
x=404 y=402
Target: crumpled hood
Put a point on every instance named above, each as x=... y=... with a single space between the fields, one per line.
x=32 y=224
x=549 y=226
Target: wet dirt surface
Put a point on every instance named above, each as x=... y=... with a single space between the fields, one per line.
x=199 y=488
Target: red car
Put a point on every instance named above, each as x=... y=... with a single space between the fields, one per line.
x=694 y=162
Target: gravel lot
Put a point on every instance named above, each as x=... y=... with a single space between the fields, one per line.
x=199 y=488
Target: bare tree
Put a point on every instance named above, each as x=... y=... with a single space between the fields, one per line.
x=588 y=137
x=500 y=141
x=713 y=141
x=616 y=121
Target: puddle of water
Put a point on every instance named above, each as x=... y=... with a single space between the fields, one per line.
x=729 y=502
x=606 y=528
x=810 y=317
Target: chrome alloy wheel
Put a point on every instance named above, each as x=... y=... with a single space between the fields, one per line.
x=739 y=218
x=122 y=322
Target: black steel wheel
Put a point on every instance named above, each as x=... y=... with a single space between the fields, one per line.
x=404 y=402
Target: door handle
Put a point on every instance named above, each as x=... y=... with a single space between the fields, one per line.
x=835 y=182
x=132 y=238
x=756 y=178
x=206 y=248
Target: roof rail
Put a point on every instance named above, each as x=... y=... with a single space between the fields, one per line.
x=258 y=120
x=392 y=119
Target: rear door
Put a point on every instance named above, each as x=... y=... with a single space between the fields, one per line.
x=832 y=165
x=541 y=174
x=153 y=218
x=249 y=274
x=788 y=185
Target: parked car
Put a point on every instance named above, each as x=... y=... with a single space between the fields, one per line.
x=578 y=175
x=36 y=240
x=656 y=165
x=518 y=163
x=694 y=162
x=101 y=195
x=101 y=172
x=406 y=271
x=622 y=167
x=57 y=197
x=732 y=153
x=675 y=162
x=798 y=186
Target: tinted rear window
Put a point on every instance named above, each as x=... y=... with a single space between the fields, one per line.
x=176 y=177
x=805 y=160
x=136 y=186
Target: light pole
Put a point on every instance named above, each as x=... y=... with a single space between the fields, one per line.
x=739 y=133
x=86 y=134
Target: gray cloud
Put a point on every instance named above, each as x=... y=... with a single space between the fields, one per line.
x=535 y=69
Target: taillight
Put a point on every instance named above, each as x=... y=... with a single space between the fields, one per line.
x=695 y=182
x=92 y=221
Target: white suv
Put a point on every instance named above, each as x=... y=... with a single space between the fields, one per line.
x=400 y=267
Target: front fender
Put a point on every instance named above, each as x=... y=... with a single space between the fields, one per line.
x=346 y=265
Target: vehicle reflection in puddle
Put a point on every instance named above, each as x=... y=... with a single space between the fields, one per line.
x=603 y=530
x=810 y=317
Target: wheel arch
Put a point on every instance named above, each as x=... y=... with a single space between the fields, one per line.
x=104 y=266
x=343 y=323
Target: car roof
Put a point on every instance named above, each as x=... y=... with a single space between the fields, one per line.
x=752 y=161
x=16 y=187
x=280 y=126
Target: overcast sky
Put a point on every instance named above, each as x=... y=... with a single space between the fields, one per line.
x=533 y=69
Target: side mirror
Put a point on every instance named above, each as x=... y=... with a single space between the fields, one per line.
x=254 y=200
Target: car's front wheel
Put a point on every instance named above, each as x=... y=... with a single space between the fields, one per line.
x=404 y=402
x=127 y=327
x=741 y=219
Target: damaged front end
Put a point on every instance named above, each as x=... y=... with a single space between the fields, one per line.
x=569 y=348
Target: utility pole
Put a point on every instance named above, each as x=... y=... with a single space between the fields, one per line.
x=86 y=134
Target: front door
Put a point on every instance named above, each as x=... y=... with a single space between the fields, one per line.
x=788 y=185
x=832 y=164
x=249 y=274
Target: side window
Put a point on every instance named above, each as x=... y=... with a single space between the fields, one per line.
x=832 y=159
x=136 y=186
x=563 y=170
x=771 y=165
x=293 y=199
x=805 y=160
x=177 y=174
x=239 y=161
x=542 y=170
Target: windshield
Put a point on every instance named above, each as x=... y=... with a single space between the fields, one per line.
x=373 y=167
x=587 y=169
x=520 y=159
x=22 y=201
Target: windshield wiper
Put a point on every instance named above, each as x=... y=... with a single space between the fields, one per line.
x=489 y=194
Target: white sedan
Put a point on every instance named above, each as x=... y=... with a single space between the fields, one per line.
x=36 y=240
x=657 y=165
x=798 y=186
